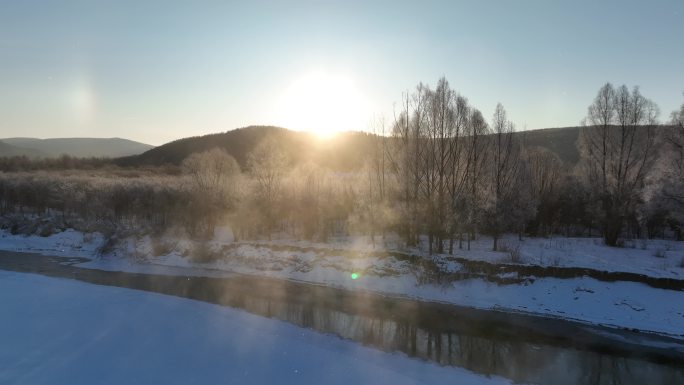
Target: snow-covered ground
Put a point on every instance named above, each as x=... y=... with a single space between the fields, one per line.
x=616 y=304
x=655 y=258
x=57 y=331
x=66 y=243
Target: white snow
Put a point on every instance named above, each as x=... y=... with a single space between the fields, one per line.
x=638 y=256
x=68 y=243
x=615 y=304
x=57 y=331
x=655 y=257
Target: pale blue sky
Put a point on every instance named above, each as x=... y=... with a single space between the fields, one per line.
x=157 y=71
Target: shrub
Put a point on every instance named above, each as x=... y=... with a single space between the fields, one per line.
x=202 y=253
x=109 y=245
x=46 y=230
x=161 y=247
x=514 y=254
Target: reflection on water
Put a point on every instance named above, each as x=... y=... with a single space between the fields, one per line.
x=547 y=352
x=515 y=359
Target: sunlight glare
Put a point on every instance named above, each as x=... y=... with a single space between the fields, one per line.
x=323 y=103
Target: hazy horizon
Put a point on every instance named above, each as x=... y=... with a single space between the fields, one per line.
x=133 y=71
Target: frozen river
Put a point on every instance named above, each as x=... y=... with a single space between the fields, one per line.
x=519 y=347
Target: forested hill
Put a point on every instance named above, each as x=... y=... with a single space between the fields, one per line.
x=560 y=141
x=346 y=151
x=75 y=147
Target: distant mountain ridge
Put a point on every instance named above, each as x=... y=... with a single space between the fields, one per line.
x=76 y=147
x=9 y=150
x=346 y=151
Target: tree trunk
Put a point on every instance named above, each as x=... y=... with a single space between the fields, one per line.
x=612 y=231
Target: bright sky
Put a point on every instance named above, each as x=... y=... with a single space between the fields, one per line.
x=155 y=71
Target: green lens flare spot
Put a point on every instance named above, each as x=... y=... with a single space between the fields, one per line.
x=354 y=276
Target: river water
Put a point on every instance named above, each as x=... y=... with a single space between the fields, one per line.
x=523 y=348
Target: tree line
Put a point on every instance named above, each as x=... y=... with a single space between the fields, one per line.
x=438 y=175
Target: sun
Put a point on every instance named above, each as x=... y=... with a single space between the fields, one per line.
x=323 y=103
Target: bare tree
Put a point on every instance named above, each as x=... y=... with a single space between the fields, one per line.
x=445 y=164
x=211 y=173
x=478 y=148
x=545 y=171
x=211 y=170
x=617 y=152
x=438 y=162
x=672 y=178
x=406 y=159
x=459 y=163
x=376 y=171
x=438 y=157
x=267 y=164
x=677 y=118
x=504 y=170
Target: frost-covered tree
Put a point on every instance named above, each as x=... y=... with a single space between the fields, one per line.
x=617 y=152
x=214 y=178
x=211 y=170
x=545 y=172
x=504 y=171
x=437 y=158
x=407 y=151
x=670 y=178
x=476 y=173
x=268 y=165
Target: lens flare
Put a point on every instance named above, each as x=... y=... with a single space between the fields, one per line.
x=83 y=101
x=354 y=276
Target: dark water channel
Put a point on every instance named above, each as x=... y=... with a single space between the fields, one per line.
x=523 y=348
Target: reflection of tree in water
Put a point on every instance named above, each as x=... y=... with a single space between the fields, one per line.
x=597 y=369
x=518 y=360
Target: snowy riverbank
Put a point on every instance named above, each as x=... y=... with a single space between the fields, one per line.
x=620 y=304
